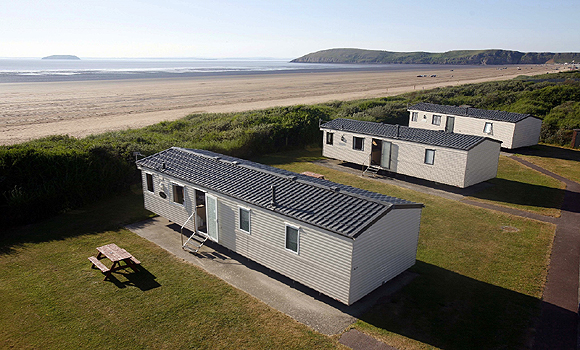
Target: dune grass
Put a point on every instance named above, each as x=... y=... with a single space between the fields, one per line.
x=52 y=299
x=520 y=187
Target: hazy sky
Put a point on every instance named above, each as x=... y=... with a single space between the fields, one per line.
x=283 y=29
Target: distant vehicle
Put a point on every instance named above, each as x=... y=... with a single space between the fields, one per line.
x=433 y=75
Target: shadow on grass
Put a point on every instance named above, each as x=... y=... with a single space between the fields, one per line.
x=548 y=152
x=451 y=311
x=107 y=214
x=143 y=279
x=521 y=193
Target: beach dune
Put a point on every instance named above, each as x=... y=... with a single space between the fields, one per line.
x=81 y=108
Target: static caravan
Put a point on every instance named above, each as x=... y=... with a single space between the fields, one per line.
x=449 y=158
x=514 y=130
x=341 y=241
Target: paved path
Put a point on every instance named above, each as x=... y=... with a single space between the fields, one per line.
x=305 y=305
x=558 y=324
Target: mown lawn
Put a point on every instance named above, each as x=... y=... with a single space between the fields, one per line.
x=480 y=278
x=559 y=160
x=520 y=187
x=480 y=273
x=52 y=299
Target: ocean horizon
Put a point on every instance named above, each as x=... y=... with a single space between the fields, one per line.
x=14 y=70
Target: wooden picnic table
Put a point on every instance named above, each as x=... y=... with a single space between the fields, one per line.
x=116 y=255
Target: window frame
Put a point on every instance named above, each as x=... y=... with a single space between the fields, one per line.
x=294 y=227
x=249 y=211
x=427 y=151
x=151 y=188
x=362 y=148
x=173 y=197
x=414 y=116
x=329 y=138
x=436 y=117
x=490 y=132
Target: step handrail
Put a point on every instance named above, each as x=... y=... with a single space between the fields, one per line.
x=181 y=230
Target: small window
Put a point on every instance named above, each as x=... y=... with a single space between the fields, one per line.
x=436 y=119
x=488 y=128
x=178 y=194
x=414 y=116
x=329 y=137
x=429 y=156
x=149 y=178
x=292 y=238
x=245 y=220
x=358 y=143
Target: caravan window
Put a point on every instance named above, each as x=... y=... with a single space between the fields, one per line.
x=178 y=194
x=244 y=219
x=358 y=143
x=436 y=119
x=292 y=238
x=414 y=116
x=488 y=128
x=429 y=156
x=329 y=138
x=149 y=178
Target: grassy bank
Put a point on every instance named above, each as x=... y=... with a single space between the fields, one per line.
x=59 y=173
x=52 y=299
x=480 y=277
x=481 y=273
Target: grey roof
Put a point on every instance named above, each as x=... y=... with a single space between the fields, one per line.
x=335 y=207
x=470 y=112
x=405 y=133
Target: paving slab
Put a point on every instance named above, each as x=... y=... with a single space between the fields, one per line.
x=303 y=304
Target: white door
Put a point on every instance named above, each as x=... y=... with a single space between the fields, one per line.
x=386 y=155
x=212 y=218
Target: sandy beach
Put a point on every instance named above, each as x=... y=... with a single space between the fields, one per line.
x=80 y=108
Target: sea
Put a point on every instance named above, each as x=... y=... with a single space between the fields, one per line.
x=14 y=70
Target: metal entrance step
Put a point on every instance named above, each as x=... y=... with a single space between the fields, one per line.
x=371 y=171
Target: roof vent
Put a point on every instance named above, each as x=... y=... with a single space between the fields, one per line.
x=163 y=166
x=273 y=202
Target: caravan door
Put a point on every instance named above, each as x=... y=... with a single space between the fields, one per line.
x=386 y=155
x=212 y=218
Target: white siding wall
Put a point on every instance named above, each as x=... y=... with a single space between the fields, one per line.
x=384 y=251
x=324 y=259
x=424 y=121
x=166 y=207
x=482 y=162
x=527 y=132
x=407 y=158
x=502 y=131
x=343 y=150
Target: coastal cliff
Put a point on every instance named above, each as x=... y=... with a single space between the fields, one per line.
x=472 y=57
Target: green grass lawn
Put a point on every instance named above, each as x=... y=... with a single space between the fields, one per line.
x=481 y=273
x=480 y=276
x=559 y=160
x=52 y=299
x=520 y=187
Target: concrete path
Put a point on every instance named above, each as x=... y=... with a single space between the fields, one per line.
x=303 y=304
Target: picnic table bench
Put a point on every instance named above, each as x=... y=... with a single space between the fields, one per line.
x=116 y=255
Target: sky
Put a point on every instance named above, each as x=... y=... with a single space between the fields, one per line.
x=281 y=28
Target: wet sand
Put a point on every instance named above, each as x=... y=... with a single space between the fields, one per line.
x=80 y=108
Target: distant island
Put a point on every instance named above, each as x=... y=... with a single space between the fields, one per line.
x=61 y=57
x=460 y=57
